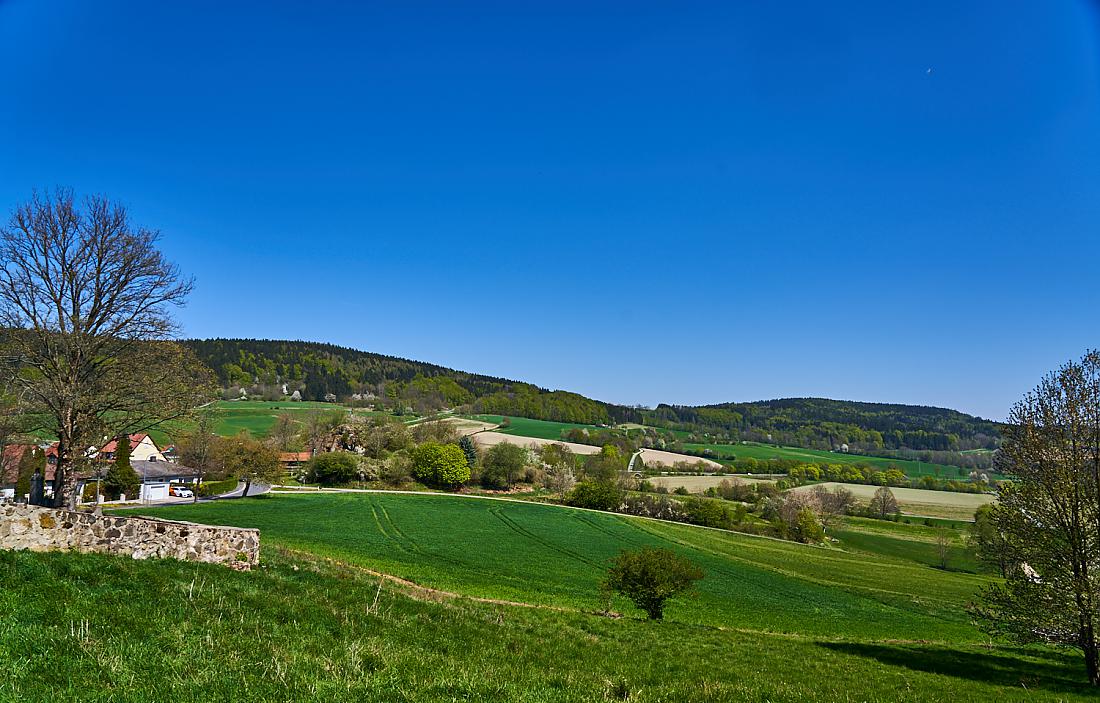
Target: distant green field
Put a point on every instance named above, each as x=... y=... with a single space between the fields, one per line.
x=767 y=451
x=526 y=427
x=257 y=417
x=869 y=620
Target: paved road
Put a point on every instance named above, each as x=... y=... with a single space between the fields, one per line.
x=254 y=490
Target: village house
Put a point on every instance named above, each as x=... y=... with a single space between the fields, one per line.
x=10 y=458
x=146 y=459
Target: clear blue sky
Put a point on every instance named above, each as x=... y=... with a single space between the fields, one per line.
x=678 y=202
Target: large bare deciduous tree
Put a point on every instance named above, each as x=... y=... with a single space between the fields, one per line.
x=85 y=309
x=1047 y=520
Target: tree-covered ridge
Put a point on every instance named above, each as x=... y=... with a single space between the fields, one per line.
x=827 y=424
x=262 y=367
x=316 y=370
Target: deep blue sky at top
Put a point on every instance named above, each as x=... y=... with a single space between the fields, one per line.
x=644 y=202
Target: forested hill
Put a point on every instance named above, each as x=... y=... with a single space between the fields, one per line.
x=262 y=367
x=317 y=371
x=824 y=423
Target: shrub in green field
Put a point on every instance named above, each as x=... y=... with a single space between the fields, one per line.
x=650 y=576
x=332 y=468
x=596 y=495
x=440 y=464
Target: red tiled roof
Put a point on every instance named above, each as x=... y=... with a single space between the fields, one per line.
x=287 y=457
x=135 y=439
x=9 y=461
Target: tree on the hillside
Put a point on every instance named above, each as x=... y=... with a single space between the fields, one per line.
x=883 y=504
x=943 y=546
x=121 y=479
x=986 y=537
x=561 y=467
x=441 y=465
x=503 y=466
x=832 y=504
x=605 y=466
x=247 y=460
x=650 y=576
x=317 y=427
x=467 y=446
x=197 y=448
x=284 y=433
x=85 y=299
x=1049 y=516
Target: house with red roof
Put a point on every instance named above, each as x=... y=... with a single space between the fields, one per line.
x=10 y=458
x=142 y=448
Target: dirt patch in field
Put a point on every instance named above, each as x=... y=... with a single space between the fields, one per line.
x=488 y=439
x=467 y=427
x=657 y=457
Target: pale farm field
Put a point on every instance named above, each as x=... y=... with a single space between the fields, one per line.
x=917 y=501
x=698 y=484
x=488 y=439
x=651 y=457
x=468 y=427
x=658 y=457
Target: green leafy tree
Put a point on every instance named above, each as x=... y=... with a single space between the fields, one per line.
x=245 y=459
x=332 y=468
x=595 y=495
x=650 y=576
x=503 y=466
x=807 y=528
x=1049 y=516
x=986 y=537
x=605 y=466
x=467 y=446
x=121 y=479
x=440 y=464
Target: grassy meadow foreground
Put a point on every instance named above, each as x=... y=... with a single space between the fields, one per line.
x=869 y=619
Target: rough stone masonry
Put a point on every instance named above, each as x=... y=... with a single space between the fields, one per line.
x=44 y=529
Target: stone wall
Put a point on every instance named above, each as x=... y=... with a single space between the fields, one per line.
x=44 y=529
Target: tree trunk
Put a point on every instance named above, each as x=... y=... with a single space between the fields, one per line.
x=1092 y=655
x=247 y=485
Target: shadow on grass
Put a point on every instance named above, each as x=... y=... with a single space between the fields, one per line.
x=1033 y=669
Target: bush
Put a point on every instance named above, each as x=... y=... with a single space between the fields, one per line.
x=397 y=470
x=214 y=488
x=650 y=576
x=709 y=513
x=596 y=495
x=503 y=465
x=681 y=491
x=440 y=464
x=332 y=468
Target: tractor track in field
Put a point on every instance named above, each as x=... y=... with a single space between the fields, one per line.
x=511 y=524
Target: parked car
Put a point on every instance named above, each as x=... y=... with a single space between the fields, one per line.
x=180 y=492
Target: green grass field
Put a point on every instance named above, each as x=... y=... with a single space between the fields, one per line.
x=257 y=417
x=526 y=427
x=767 y=451
x=772 y=621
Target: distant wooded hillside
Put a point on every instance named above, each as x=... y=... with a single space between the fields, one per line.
x=262 y=368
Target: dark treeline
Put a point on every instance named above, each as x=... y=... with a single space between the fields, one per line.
x=272 y=369
x=819 y=423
